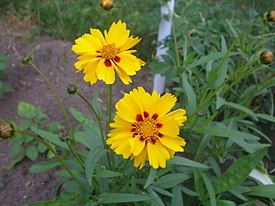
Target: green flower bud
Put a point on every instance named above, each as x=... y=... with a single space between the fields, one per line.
x=72 y=89
x=27 y=59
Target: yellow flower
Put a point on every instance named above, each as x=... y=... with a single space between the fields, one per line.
x=100 y=56
x=144 y=129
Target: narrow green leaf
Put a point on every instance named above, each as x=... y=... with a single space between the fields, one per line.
x=191 y=95
x=198 y=183
x=177 y=199
x=242 y=109
x=182 y=161
x=171 y=180
x=267 y=191
x=156 y=200
x=32 y=153
x=44 y=166
x=266 y=117
x=225 y=132
x=239 y=171
x=223 y=203
x=51 y=137
x=210 y=188
x=96 y=104
x=162 y=191
x=109 y=198
x=219 y=102
x=92 y=158
x=233 y=30
x=107 y=174
x=150 y=178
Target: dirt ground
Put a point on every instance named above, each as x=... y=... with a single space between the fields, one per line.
x=55 y=59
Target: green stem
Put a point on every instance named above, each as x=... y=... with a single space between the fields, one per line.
x=98 y=118
x=59 y=158
x=55 y=95
x=109 y=89
x=58 y=99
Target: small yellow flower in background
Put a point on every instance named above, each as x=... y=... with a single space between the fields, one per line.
x=101 y=56
x=144 y=129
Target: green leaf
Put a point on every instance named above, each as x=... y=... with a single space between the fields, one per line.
x=171 y=180
x=32 y=153
x=233 y=30
x=266 y=117
x=4 y=58
x=191 y=95
x=96 y=104
x=92 y=158
x=219 y=102
x=177 y=199
x=51 y=137
x=107 y=174
x=55 y=203
x=82 y=118
x=109 y=198
x=225 y=132
x=182 y=161
x=41 y=147
x=242 y=109
x=151 y=177
x=26 y=110
x=44 y=166
x=210 y=188
x=223 y=203
x=238 y=172
x=267 y=191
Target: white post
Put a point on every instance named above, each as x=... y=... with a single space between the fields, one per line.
x=164 y=32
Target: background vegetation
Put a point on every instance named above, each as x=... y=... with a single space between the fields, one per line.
x=212 y=67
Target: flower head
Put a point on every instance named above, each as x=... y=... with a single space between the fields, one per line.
x=266 y=57
x=6 y=130
x=107 y=4
x=144 y=129
x=101 y=56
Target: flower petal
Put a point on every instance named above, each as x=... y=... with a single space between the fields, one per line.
x=136 y=145
x=173 y=143
x=117 y=34
x=105 y=73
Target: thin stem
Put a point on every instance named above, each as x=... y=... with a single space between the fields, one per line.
x=109 y=89
x=55 y=95
x=58 y=99
x=59 y=158
x=98 y=118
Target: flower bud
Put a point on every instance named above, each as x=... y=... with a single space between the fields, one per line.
x=266 y=57
x=270 y=16
x=27 y=59
x=107 y=4
x=72 y=89
x=6 y=130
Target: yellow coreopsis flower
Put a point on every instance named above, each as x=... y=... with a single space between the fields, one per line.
x=101 y=56
x=144 y=129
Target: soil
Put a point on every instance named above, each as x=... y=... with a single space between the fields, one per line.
x=55 y=59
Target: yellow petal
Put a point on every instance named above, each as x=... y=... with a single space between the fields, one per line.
x=169 y=127
x=165 y=104
x=122 y=75
x=136 y=145
x=124 y=150
x=128 y=63
x=173 y=143
x=139 y=161
x=117 y=34
x=97 y=34
x=130 y=42
x=105 y=73
x=178 y=115
x=157 y=155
